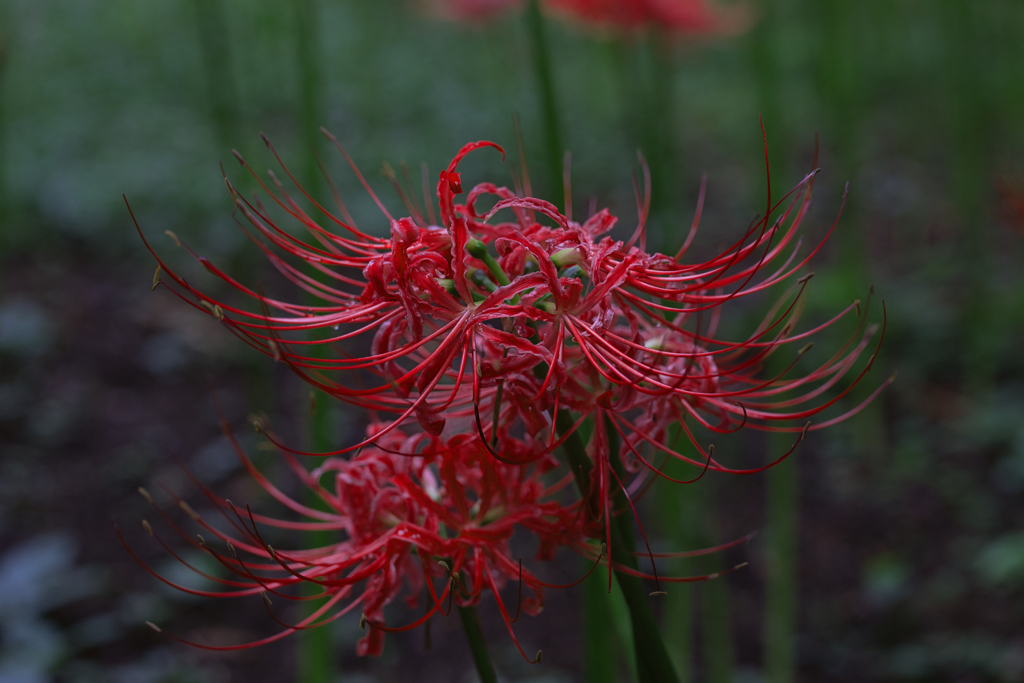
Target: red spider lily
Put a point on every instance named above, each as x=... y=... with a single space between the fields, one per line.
x=690 y=16
x=684 y=16
x=409 y=513
x=675 y=15
x=520 y=330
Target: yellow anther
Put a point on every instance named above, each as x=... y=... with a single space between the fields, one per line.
x=174 y=237
x=147 y=527
x=145 y=494
x=214 y=309
x=188 y=510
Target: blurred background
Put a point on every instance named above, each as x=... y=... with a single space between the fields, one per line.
x=892 y=546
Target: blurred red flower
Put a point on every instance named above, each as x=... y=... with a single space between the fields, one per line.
x=684 y=16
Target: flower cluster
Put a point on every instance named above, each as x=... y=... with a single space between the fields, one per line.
x=418 y=514
x=489 y=338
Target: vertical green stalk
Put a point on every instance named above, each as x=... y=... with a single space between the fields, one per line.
x=767 y=80
x=839 y=85
x=679 y=511
x=477 y=644
x=843 y=73
x=658 y=134
x=316 y=650
x=782 y=595
x=599 y=660
x=644 y=72
x=780 y=618
x=691 y=514
x=548 y=98
x=716 y=625
x=222 y=94
x=716 y=620
x=652 y=659
x=970 y=166
x=679 y=630
x=311 y=116
x=316 y=663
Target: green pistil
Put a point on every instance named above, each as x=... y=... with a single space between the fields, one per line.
x=449 y=285
x=478 y=250
x=478 y=278
x=566 y=257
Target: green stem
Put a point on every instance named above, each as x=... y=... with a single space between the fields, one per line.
x=658 y=130
x=310 y=104
x=548 y=100
x=719 y=658
x=477 y=644
x=780 y=621
x=576 y=453
x=780 y=583
x=316 y=647
x=216 y=51
x=678 y=507
x=970 y=164
x=599 y=660
x=652 y=659
x=839 y=85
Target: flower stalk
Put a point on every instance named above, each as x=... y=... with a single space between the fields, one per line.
x=781 y=582
x=317 y=663
x=652 y=659
x=550 y=114
x=470 y=619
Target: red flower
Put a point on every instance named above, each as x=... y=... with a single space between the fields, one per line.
x=673 y=15
x=684 y=16
x=523 y=328
x=501 y=337
x=415 y=516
